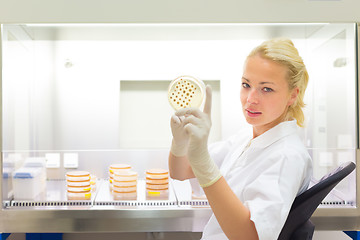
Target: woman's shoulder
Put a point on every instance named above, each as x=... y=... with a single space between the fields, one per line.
x=289 y=148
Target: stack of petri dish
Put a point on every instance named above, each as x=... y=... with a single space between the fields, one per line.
x=78 y=185
x=125 y=185
x=116 y=168
x=157 y=183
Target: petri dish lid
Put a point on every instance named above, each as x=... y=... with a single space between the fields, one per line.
x=79 y=192
x=126 y=173
x=120 y=166
x=157 y=173
x=78 y=174
x=78 y=184
x=186 y=91
x=157 y=189
x=119 y=192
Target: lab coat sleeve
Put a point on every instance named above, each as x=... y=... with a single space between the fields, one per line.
x=270 y=196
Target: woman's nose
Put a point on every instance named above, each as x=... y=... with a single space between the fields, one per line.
x=253 y=96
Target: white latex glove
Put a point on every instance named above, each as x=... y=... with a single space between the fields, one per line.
x=180 y=140
x=197 y=125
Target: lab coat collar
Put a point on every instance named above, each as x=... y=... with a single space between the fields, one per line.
x=274 y=134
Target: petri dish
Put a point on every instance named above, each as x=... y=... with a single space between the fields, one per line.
x=157 y=173
x=125 y=195
x=79 y=188
x=157 y=181
x=124 y=189
x=86 y=195
x=125 y=176
x=157 y=193
x=77 y=176
x=157 y=186
x=186 y=91
x=78 y=183
x=124 y=183
x=119 y=167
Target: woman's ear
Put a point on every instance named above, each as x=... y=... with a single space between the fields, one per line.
x=293 y=96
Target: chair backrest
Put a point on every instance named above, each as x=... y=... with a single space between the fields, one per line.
x=306 y=203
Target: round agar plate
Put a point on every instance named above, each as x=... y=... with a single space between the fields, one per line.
x=186 y=91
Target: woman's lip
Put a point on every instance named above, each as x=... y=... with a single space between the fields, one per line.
x=252 y=114
x=252 y=111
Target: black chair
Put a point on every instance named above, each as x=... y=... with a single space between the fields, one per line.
x=298 y=225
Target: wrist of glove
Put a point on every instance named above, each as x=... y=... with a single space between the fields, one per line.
x=178 y=150
x=204 y=168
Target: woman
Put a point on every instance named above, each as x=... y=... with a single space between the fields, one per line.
x=251 y=179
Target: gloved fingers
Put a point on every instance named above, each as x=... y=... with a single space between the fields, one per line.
x=193 y=120
x=180 y=136
x=208 y=100
x=185 y=112
x=197 y=131
x=175 y=120
x=192 y=130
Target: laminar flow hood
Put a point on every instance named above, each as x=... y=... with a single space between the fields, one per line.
x=86 y=96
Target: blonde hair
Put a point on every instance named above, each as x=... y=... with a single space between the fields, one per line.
x=283 y=51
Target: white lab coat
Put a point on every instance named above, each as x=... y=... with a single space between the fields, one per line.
x=266 y=174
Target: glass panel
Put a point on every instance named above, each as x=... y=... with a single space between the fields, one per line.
x=331 y=103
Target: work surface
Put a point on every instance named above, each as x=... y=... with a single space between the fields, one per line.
x=177 y=212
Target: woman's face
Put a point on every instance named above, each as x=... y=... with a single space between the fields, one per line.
x=265 y=94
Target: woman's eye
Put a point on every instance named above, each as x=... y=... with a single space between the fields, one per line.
x=266 y=89
x=245 y=85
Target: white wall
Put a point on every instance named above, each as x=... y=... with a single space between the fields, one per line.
x=90 y=113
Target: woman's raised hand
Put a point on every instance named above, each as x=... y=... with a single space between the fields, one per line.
x=197 y=125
